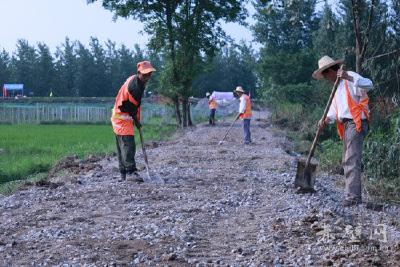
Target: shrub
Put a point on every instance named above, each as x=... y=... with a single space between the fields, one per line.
x=381 y=159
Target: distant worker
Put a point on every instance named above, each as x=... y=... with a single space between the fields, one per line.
x=126 y=114
x=244 y=113
x=212 y=105
x=349 y=109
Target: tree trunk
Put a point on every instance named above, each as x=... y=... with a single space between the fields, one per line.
x=361 y=41
x=185 y=112
x=177 y=111
x=190 y=123
x=357 y=33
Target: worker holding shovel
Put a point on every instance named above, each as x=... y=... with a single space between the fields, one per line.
x=349 y=109
x=126 y=114
x=244 y=113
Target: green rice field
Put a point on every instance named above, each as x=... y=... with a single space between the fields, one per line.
x=26 y=150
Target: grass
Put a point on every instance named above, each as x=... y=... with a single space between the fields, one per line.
x=29 y=150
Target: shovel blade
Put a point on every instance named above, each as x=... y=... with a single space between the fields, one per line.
x=305 y=176
x=154 y=178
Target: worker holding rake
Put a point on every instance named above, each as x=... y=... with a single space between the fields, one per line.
x=126 y=114
x=244 y=113
x=349 y=109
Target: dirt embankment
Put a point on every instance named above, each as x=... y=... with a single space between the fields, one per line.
x=221 y=205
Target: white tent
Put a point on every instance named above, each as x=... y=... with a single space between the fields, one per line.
x=223 y=96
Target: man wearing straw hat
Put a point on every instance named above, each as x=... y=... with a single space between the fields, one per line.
x=244 y=113
x=126 y=114
x=349 y=109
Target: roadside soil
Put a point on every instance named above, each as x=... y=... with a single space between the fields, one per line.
x=221 y=205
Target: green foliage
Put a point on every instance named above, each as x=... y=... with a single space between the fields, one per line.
x=325 y=38
x=381 y=159
x=232 y=66
x=182 y=31
x=382 y=154
x=330 y=155
x=5 y=71
x=45 y=65
x=73 y=71
x=301 y=94
x=23 y=65
x=283 y=68
x=285 y=25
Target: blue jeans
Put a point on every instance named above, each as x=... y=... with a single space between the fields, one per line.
x=246 y=130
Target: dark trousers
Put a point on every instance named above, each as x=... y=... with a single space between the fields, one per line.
x=212 y=116
x=246 y=130
x=126 y=149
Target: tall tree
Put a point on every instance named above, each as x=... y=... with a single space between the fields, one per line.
x=112 y=68
x=24 y=62
x=5 y=71
x=284 y=28
x=325 y=37
x=363 y=17
x=181 y=29
x=45 y=71
x=101 y=82
x=66 y=70
x=85 y=76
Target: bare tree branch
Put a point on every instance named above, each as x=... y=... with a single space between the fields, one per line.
x=368 y=30
x=386 y=54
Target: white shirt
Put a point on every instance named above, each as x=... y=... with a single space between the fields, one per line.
x=358 y=91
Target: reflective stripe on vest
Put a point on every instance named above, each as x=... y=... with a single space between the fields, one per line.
x=122 y=122
x=356 y=110
x=212 y=104
x=247 y=112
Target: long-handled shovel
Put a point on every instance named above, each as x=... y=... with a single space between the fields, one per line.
x=229 y=129
x=305 y=176
x=155 y=178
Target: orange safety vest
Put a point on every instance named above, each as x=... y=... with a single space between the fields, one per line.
x=122 y=122
x=356 y=109
x=247 y=112
x=212 y=104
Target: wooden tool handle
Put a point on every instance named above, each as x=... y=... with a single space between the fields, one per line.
x=230 y=127
x=143 y=148
x=319 y=131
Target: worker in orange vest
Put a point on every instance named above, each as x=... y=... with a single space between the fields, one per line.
x=349 y=109
x=212 y=105
x=244 y=113
x=126 y=114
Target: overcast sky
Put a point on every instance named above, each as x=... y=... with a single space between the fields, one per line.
x=50 y=21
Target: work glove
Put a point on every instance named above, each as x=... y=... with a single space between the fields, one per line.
x=129 y=107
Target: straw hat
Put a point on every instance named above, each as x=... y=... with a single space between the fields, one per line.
x=145 y=67
x=324 y=63
x=239 y=89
